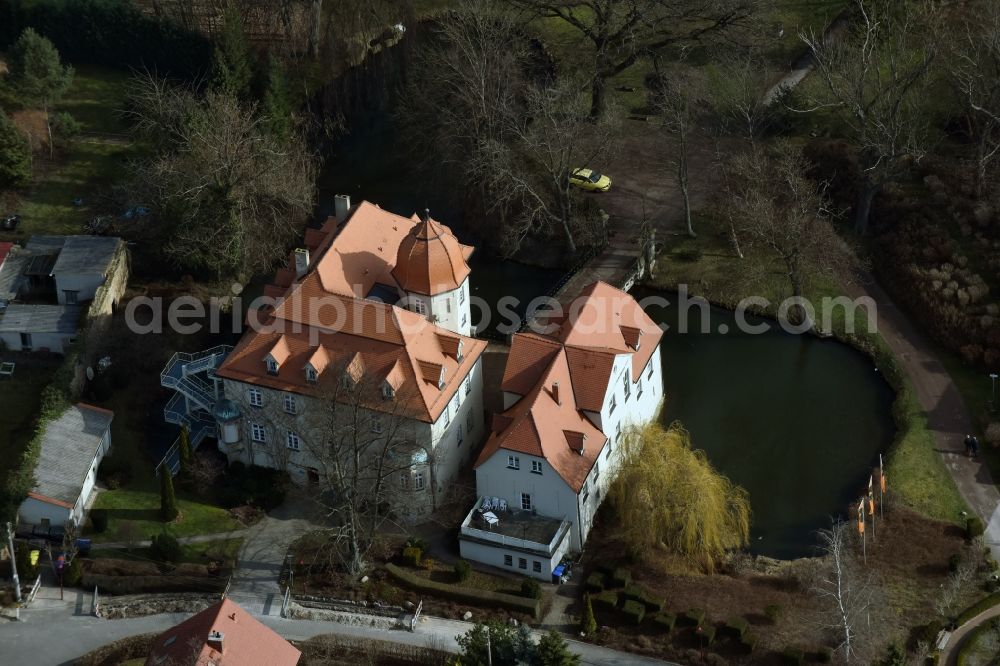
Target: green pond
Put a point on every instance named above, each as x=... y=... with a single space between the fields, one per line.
x=796 y=420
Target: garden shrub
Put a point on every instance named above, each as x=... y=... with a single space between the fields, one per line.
x=259 y=486
x=531 y=588
x=707 y=635
x=114 y=472
x=607 y=600
x=749 y=642
x=166 y=548
x=595 y=582
x=485 y=598
x=73 y=575
x=621 y=577
x=824 y=655
x=665 y=621
x=634 y=611
x=975 y=609
x=792 y=656
x=737 y=626
x=930 y=632
x=99 y=519
x=412 y=556
x=588 y=623
x=633 y=592
x=462 y=570
x=695 y=616
x=973 y=527
x=773 y=613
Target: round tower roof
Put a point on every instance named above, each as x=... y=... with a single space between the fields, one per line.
x=430 y=260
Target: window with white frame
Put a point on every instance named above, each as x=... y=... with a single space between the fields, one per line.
x=456 y=402
x=597 y=471
x=618 y=432
x=311 y=375
x=447 y=415
x=649 y=374
x=525 y=501
x=614 y=403
x=418 y=480
x=536 y=466
x=272 y=366
x=638 y=387
x=627 y=385
x=256 y=397
x=258 y=433
x=290 y=404
x=468 y=385
x=292 y=441
x=447 y=305
x=377 y=423
x=513 y=462
x=419 y=307
x=465 y=319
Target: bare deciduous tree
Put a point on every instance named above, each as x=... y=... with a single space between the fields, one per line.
x=736 y=91
x=368 y=458
x=679 y=98
x=226 y=195
x=959 y=581
x=620 y=32
x=774 y=205
x=847 y=594
x=873 y=78
x=973 y=68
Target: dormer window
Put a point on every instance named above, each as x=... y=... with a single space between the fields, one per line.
x=271 y=365
x=388 y=392
x=441 y=379
x=311 y=375
x=458 y=352
x=346 y=382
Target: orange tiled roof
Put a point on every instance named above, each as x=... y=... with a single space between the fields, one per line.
x=540 y=425
x=563 y=375
x=430 y=260
x=245 y=641
x=323 y=319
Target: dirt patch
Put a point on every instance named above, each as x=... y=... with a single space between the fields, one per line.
x=909 y=558
x=32 y=122
x=118 y=652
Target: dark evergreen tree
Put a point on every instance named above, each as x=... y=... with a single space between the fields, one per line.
x=168 y=500
x=275 y=99
x=232 y=59
x=185 y=450
x=553 y=650
x=588 y=624
x=35 y=75
x=15 y=154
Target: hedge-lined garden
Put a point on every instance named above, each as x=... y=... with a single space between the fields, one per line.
x=484 y=598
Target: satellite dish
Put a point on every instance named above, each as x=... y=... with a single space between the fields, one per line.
x=90 y=373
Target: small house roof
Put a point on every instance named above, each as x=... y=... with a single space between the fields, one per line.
x=22 y=318
x=69 y=446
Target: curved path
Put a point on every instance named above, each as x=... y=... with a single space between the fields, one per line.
x=949 y=655
x=947 y=417
x=51 y=635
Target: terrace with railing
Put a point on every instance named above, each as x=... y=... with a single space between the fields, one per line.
x=515 y=529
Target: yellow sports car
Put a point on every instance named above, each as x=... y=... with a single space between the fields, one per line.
x=587 y=179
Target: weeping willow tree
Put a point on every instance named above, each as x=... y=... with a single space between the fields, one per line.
x=668 y=495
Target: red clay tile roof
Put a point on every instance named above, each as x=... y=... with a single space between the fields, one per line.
x=566 y=374
x=245 y=641
x=430 y=260
x=529 y=355
x=538 y=425
x=49 y=500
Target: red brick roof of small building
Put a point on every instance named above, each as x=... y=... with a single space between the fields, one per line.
x=245 y=641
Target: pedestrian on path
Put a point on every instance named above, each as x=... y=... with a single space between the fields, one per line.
x=975 y=446
x=968 y=446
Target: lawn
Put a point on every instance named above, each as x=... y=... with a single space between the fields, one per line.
x=226 y=550
x=137 y=511
x=709 y=267
x=85 y=167
x=21 y=400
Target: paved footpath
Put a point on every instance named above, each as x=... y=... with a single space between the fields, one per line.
x=949 y=656
x=52 y=635
x=947 y=416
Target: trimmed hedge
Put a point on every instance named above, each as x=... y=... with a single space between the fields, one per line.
x=595 y=582
x=749 y=641
x=737 y=626
x=621 y=577
x=531 y=588
x=606 y=600
x=462 y=570
x=464 y=594
x=975 y=609
x=634 y=611
x=411 y=556
x=706 y=636
x=695 y=616
x=634 y=592
x=973 y=527
x=793 y=655
x=665 y=621
x=970 y=642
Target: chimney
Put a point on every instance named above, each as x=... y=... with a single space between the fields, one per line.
x=215 y=640
x=301 y=261
x=341 y=207
x=555 y=393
